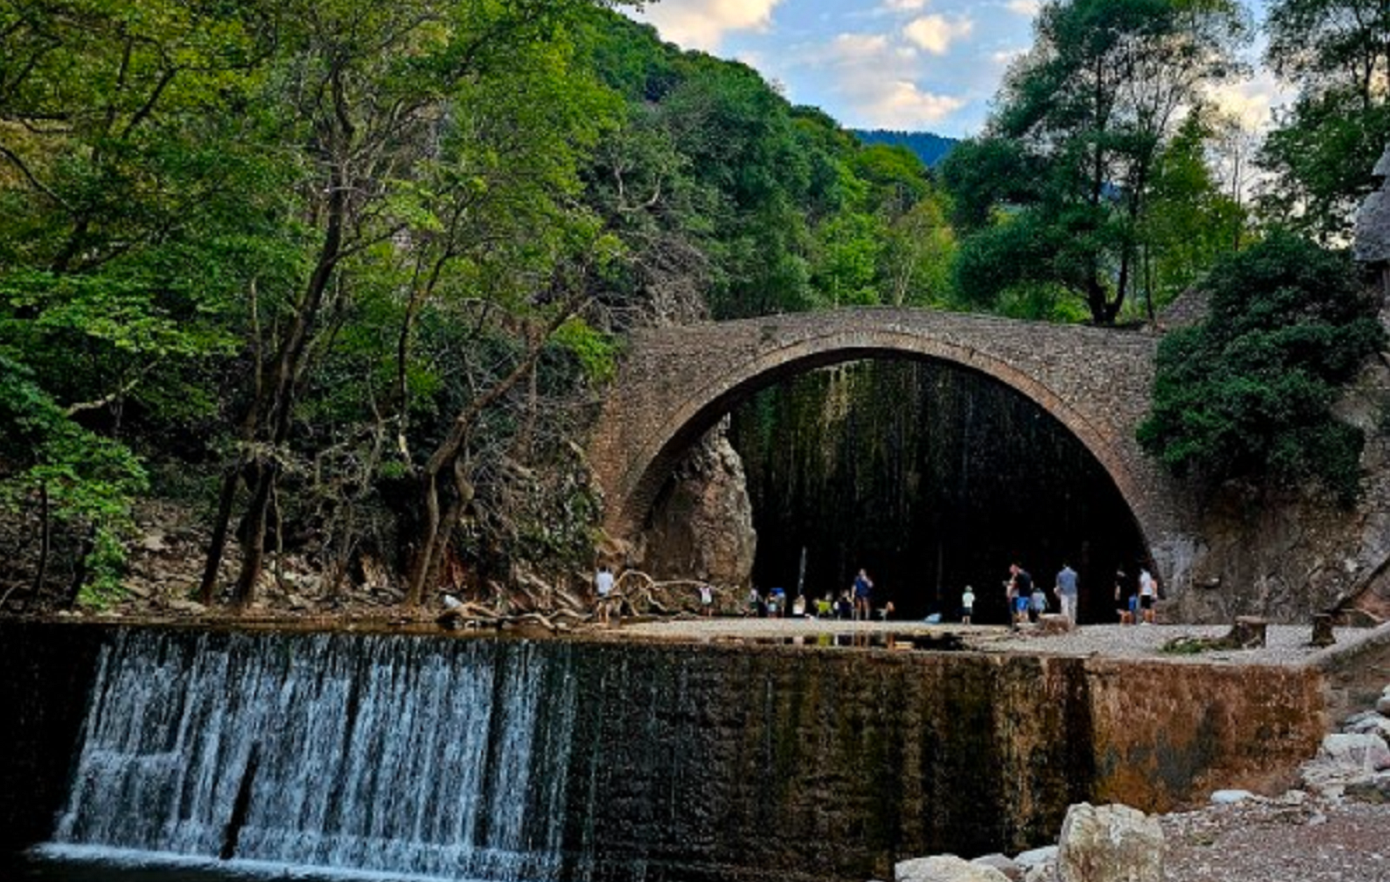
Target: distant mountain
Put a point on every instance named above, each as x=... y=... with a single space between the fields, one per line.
x=931 y=149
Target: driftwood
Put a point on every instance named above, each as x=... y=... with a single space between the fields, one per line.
x=476 y=615
x=540 y=603
x=1248 y=632
x=673 y=597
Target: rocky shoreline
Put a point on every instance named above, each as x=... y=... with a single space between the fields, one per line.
x=1333 y=827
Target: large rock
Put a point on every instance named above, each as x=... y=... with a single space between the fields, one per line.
x=1362 y=753
x=945 y=868
x=1110 y=843
x=702 y=525
x=1372 y=239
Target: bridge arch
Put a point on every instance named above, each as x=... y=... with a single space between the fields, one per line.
x=676 y=383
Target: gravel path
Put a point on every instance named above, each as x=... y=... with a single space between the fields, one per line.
x=1286 y=644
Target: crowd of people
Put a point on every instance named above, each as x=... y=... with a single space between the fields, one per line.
x=1026 y=599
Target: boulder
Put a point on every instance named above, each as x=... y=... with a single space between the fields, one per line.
x=1037 y=857
x=1110 y=843
x=945 y=868
x=1383 y=703
x=1369 y=724
x=1364 y=752
x=702 y=526
x=1375 y=790
x=1002 y=863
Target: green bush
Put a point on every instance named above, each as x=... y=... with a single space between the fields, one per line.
x=1248 y=392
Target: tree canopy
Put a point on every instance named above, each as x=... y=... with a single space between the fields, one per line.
x=1059 y=188
x=1247 y=393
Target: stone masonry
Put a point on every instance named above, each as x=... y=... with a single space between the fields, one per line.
x=676 y=383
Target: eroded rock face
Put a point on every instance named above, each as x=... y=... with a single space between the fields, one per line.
x=1372 y=241
x=1291 y=553
x=702 y=526
x=1110 y=843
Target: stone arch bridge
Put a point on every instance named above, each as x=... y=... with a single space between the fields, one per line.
x=676 y=383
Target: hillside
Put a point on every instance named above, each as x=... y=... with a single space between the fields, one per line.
x=931 y=149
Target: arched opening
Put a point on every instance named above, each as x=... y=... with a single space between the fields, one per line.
x=932 y=477
x=1110 y=494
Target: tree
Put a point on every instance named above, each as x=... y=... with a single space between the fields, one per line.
x=1190 y=220
x=1088 y=111
x=1323 y=148
x=1247 y=394
x=118 y=151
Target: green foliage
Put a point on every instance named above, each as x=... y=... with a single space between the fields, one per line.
x=77 y=477
x=1247 y=393
x=596 y=352
x=1323 y=148
x=1072 y=150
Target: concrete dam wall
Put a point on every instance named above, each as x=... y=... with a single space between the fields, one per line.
x=506 y=759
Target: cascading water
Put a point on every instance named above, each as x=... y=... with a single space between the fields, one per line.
x=423 y=757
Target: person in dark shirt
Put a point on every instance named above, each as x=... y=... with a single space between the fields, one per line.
x=1020 y=590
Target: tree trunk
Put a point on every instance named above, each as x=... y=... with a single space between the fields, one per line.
x=452 y=448
x=253 y=551
x=45 y=540
x=218 y=546
x=288 y=370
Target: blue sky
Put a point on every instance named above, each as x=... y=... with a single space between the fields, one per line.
x=930 y=65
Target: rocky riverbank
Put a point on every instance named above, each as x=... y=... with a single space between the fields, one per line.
x=1333 y=827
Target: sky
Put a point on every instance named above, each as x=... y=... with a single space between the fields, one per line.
x=914 y=65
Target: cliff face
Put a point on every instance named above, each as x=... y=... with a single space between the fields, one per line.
x=702 y=525
x=1288 y=553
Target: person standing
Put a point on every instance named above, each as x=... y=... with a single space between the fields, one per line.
x=1020 y=592
x=1148 y=593
x=863 y=590
x=707 y=598
x=1126 y=601
x=967 y=605
x=603 y=586
x=1066 y=591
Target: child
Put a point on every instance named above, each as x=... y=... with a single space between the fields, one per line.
x=967 y=605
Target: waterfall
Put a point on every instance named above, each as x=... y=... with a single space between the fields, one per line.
x=437 y=758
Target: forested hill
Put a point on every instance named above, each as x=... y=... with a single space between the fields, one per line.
x=345 y=277
x=931 y=149
x=360 y=325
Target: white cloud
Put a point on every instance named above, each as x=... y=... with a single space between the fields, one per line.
x=904 y=5
x=936 y=33
x=702 y=24
x=876 y=77
x=1251 y=101
x=903 y=105
x=1025 y=8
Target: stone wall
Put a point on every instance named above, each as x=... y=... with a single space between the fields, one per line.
x=787 y=763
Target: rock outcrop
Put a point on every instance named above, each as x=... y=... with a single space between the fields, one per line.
x=702 y=525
